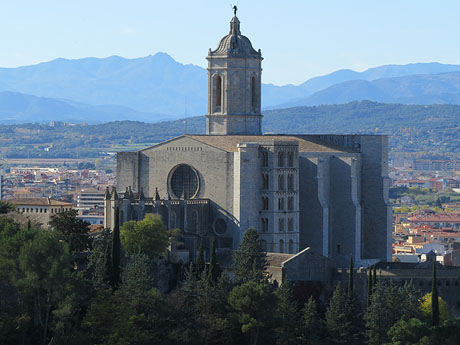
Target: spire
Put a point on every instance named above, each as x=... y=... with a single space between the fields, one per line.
x=126 y=195
x=107 y=194
x=131 y=194
x=114 y=194
x=142 y=196
x=157 y=195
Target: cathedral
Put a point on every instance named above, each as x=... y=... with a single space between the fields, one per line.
x=326 y=192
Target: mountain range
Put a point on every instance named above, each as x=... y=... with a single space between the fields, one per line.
x=157 y=87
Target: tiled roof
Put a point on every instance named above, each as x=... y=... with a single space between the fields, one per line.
x=39 y=202
x=277 y=259
x=229 y=142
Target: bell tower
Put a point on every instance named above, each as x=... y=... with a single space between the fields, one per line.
x=234 y=86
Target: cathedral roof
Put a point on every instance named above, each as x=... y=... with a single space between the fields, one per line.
x=230 y=143
x=235 y=44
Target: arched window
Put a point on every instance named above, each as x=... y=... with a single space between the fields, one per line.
x=290 y=203
x=265 y=181
x=290 y=159
x=281 y=225
x=281 y=182
x=264 y=223
x=194 y=222
x=281 y=246
x=281 y=204
x=281 y=159
x=253 y=95
x=290 y=182
x=290 y=224
x=291 y=247
x=217 y=96
x=265 y=203
x=264 y=158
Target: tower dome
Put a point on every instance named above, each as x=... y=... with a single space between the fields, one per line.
x=235 y=44
x=234 y=85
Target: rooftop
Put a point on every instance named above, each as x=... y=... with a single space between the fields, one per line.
x=39 y=202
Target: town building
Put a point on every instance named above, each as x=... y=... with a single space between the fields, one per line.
x=325 y=192
x=40 y=210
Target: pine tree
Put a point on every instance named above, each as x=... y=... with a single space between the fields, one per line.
x=200 y=264
x=287 y=329
x=374 y=277
x=115 y=255
x=350 y=279
x=213 y=270
x=108 y=264
x=249 y=261
x=337 y=322
x=312 y=325
x=434 y=298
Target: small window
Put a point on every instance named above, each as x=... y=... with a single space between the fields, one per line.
x=291 y=247
x=281 y=159
x=36 y=210
x=290 y=224
x=253 y=95
x=281 y=225
x=338 y=249
x=265 y=203
x=264 y=223
x=290 y=156
x=281 y=204
x=265 y=181
x=290 y=201
x=281 y=182
x=290 y=182
x=281 y=246
x=41 y=210
x=264 y=158
x=45 y=210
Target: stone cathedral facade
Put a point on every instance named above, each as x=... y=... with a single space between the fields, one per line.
x=326 y=192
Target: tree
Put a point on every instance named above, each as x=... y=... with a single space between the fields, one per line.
x=115 y=255
x=426 y=308
x=350 y=279
x=369 y=286
x=337 y=322
x=434 y=298
x=252 y=303
x=408 y=332
x=200 y=264
x=214 y=271
x=6 y=207
x=72 y=230
x=148 y=236
x=312 y=325
x=249 y=261
x=288 y=323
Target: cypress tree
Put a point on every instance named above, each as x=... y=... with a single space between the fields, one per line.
x=312 y=325
x=369 y=286
x=374 y=277
x=115 y=276
x=249 y=261
x=214 y=270
x=200 y=264
x=434 y=298
x=108 y=264
x=29 y=225
x=350 y=279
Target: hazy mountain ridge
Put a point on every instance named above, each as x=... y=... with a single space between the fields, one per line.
x=163 y=88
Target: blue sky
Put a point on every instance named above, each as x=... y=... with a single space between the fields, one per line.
x=299 y=39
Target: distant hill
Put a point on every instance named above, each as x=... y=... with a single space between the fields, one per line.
x=16 y=107
x=154 y=84
x=441 y=88
x=412 y=128
x=159 y=85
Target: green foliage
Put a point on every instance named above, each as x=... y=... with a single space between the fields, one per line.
x=287 y=331
x=214 y=270
x=407 y=332
x=6 y=207
x=434 y=298
x=99 y=261
x=389 y=304
x=148 y=236
x=116 y=252
x=72 y=230
x=252 y=303
x=312 y=325
x=426 y=308
x=249 y=261
x=200 y=264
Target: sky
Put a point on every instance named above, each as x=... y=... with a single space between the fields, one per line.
x=299 y=39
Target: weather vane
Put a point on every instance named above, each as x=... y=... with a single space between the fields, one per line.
x=235 y=9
